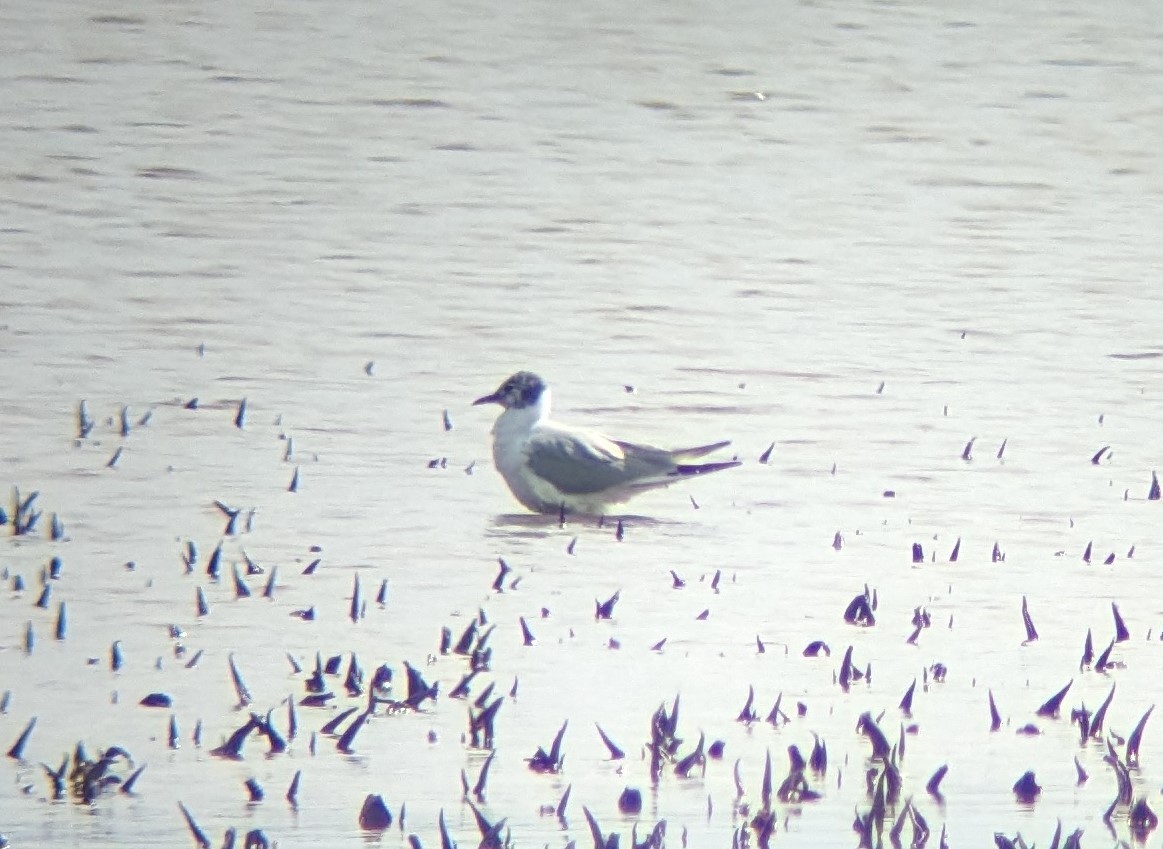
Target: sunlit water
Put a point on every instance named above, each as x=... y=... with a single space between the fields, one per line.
x=753 y=216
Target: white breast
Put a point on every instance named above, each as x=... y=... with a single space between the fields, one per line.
x=510 y=435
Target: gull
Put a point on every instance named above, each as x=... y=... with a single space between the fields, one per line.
x=552 y=467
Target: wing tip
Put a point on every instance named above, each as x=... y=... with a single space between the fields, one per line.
x=691 y=470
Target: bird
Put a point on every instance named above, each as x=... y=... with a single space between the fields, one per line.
x=552 y=467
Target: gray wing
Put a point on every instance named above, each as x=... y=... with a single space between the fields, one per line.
x=580 y=463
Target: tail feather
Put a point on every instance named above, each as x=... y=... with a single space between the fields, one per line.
x=700 y=450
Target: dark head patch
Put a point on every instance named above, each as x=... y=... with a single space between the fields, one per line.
x=521 y=390
x=524 y=389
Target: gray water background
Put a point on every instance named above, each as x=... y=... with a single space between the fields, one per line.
x=752 y=214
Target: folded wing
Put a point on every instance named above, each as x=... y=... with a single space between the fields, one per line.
x=580 y=462
x=576 y=462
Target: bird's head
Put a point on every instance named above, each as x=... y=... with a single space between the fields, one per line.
x=524 y=389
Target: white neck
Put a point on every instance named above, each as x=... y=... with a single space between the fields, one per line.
x=518 y=421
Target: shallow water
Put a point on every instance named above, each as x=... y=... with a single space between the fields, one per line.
x=754 y=217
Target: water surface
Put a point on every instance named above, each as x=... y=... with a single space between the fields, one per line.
x=753 y=215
